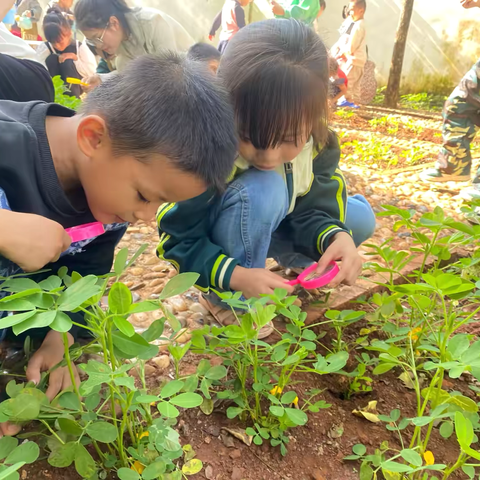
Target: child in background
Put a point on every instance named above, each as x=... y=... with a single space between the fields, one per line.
x=351 y=49
x=62 y=54
x=306 y=11
x=232 y=18
x=203 y=52
x=338 y=82
x=161 y=130
x=286 y=198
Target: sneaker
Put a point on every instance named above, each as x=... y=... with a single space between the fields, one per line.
x=346 y=103
x=436 y=175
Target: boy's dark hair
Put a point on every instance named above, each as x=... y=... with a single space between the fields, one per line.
x=332 y=65
x=323 y=4
x=92 y=14
x=169 y=105
x=277 y=74
x=55 y=25
x=203 y=52
x=362 y=4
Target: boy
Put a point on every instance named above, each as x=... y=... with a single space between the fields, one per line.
x=351 y=49
x=231 y=18
x=285 y=199
x=161 y=130
x=203 y=52
x=306 y=11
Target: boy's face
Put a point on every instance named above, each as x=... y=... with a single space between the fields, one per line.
x=356 y=12
x=124 y=189
x=272 y=158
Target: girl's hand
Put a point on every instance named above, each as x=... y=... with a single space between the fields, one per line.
x=277 y=9
x=67 y=56
x=342 y=248
x=46 y=357
x=470 y=3
x=93 y=82
x=254 y=281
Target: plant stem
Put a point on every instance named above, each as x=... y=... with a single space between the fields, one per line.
x=70 y=368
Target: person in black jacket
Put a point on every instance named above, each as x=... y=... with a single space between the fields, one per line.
x=162 y=130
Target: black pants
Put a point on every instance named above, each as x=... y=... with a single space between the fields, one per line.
x=65 y=69
x=24 y=80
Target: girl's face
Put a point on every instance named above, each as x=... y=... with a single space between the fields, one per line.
x=108 y=38
x=64 y=41
x=272 y=158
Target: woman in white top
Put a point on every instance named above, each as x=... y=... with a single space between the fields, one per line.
x=127 y=33
x=62 y=54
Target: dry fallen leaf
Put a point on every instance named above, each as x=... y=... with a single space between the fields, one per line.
x=209 y=472
x=407 y=380
x=240 y=434
x=336 y=431
x=369 y=412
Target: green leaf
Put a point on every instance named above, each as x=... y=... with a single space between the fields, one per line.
x=39 y=320
x=463 y=430
x=277 y=411
x=465 y=403
x=50 y=283
x=78 y=293
x=383 y=368
x=395 y=414
x=411 y=456
x=171 y=388
x=233 y=412
x=469 y=471
x=17 y=285
x=457 y=345
x=126 y=381
x=69 y=400
x=63 y=456
x=167 y=410
x=216 y=373
x=309 y=335
x=7 y=445
x=8 y=473
x=154 y=470
x=207 y=406
x=298 y=417
x=102 y=432
x=154 y=331
x=25 y=407
x=69 y=426
x=178 y=285
x=446 y=429
x=119 y=299
x=290 y=360
x=124 y=325
x=12 y=320
x=134 y=345
x=310 y=346
x=392 y=466
x=92 y=401
x=359 y=449
x=26 y=452
x=84 y=463
x=61 y=323
x=187 y=400
x=366 y=471
x=193 y=466
x=288 y=397
x=120 y=261
x=127 y=474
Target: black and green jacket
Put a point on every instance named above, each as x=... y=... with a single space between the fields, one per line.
x=317 y=211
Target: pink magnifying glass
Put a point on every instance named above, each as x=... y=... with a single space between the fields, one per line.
x=86 y=231
x=309 y=278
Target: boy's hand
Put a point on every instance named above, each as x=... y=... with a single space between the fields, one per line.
x=342 y=248
x=93 y=81
x=31 y=241
x=277 y=9
x=254 y=281
x=470 y=3
x=46 y=357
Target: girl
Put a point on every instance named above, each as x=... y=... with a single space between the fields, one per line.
x=286 y=198
x=62 y=54
x=127 y=33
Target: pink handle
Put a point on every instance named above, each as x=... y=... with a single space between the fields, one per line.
x=293 y=282
x=84 y=232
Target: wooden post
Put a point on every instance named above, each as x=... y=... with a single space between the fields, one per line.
x=395 y=75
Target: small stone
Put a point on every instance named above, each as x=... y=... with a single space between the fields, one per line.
x=237 y=473
x=235 y=454
x=183 y=336
x=156 y=283
x=316 y=475
x=151 y=260
x=209 y=472
x=227 y=440
x=197 y=308
x=213 y=430
x=162 y=345
x=160 y=268
x=138 y=286
x=207 y=440
x=159 y=288
x=150 y=370
x=178 y=304
x=128 y=284
x=150 y=276
x=162 y=362
x=133 y=230
x=24 y=474
x=197 y=317
x=145 y=230
x=140 y=319
x=136 y=271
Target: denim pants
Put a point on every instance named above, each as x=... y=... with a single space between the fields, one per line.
x=245 y=221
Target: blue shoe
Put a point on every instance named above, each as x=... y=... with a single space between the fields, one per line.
x=346 y=103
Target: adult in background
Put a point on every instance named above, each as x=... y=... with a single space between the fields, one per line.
x=461 y=120
x=29 y=12
x=231 y=18
x=127 y=33
x=63 y=55
x=304 y=10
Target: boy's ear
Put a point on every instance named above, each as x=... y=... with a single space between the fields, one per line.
x=91 y=134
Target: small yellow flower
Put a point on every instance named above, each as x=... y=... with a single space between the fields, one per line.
x=295 y=402
x=137 y=467
x=276 y=390
x=413 y=334
x=429 y=458
x=144 y=434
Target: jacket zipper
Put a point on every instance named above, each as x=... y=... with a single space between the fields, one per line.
x=289 y=178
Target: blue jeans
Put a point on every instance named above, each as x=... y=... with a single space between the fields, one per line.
x=245 y=221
